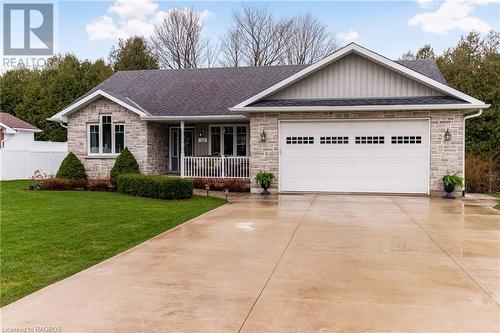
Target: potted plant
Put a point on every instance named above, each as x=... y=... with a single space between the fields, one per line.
x=450 y=181
x=264 y=179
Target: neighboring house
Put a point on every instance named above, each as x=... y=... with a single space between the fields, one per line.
x=16 y=133
x=21 y=155
x=352 y=122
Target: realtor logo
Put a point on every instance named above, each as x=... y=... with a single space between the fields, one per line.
x=28 y=29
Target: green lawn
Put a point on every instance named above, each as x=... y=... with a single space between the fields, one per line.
x=497 y=195
x=47 y=236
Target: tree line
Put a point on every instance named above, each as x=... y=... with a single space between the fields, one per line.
x=255 y=37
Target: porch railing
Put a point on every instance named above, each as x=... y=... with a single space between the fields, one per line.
x=217 y=167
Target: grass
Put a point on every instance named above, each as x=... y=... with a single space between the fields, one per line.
x=47 y=236
x=496 y=195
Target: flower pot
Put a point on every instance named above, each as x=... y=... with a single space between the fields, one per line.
x=449 y=190
x=265 y=191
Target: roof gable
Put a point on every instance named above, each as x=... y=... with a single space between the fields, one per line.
x=355 y=76
x=356 y=49
x=10 y=123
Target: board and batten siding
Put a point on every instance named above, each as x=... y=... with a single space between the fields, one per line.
x=355 y=77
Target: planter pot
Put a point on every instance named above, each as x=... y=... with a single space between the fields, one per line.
x=449 y=190
x=265 y=191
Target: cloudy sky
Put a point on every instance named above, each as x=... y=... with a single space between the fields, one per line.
x=90 y=28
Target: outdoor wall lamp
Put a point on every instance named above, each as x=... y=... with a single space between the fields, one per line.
x=447 y=135
x=201 y=133
x=263 y=136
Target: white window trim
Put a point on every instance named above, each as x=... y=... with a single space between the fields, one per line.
x=99 y=124
x=235 y=139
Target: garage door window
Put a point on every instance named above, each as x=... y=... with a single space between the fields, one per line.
x=333 y=140
x=406 y=140
x=369 y=140
x=299 y=140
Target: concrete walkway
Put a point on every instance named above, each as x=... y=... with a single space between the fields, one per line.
x=296 y=263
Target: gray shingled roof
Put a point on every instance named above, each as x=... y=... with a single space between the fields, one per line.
x=359 y=101
x=426 y=67
x=209 y=91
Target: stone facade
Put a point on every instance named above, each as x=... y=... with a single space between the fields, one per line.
x=147 y=141
x=445 y=155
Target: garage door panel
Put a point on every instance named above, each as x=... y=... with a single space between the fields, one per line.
x=397 y=164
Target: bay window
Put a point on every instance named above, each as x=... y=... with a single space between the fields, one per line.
x=229 y=140
x=105 y=137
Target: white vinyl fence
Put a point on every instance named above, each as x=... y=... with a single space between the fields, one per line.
x=22 y=163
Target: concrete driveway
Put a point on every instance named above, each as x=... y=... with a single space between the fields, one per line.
x=296 y=263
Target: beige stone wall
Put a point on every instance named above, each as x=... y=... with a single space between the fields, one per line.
x=147 y=141
x=444 y=155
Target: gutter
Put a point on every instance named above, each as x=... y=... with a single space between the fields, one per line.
x=194 y=118
x=474 y=115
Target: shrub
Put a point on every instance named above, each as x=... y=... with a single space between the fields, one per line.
x=71 y=168
x=159 y=187
x=125 y=164
x=219 y=184
x=482 y=174
x=100 y=185
x=61 y=184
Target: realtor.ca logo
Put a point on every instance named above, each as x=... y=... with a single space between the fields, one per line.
x=28 y=34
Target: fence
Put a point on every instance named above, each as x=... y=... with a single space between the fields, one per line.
x=217 y=167
x=22 y=163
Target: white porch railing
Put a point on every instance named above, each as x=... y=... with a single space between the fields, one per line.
x=217 y=167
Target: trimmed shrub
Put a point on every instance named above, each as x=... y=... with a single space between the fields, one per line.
x=220 y=184
x=100 y=185
x=125 y=164
x=159 y=187
x=71 y=168
x=61 y=184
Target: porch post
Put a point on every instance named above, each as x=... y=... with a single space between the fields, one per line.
x=182 y=149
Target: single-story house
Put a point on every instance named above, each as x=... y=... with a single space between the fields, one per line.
x=353 y=122
x=16 y=133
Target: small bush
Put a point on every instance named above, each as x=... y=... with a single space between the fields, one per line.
x=100 y=185
x=159 y=187
x=220 y=184
x=61 y=184
x=71 y=168
x=125 y=164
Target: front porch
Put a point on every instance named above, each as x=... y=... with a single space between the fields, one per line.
x=209 y=150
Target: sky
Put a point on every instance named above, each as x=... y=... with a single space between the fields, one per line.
x=89 y=29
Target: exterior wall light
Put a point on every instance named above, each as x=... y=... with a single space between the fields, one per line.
x=263 y=136
x=201 y=133
x=447 y=135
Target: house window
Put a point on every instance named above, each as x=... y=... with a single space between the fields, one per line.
x=106 y=137
x=369 y=140
x=231 y=140
x=94 y=139
x=406 y=139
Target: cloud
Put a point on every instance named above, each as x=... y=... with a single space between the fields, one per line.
x=424 y=3
x=452 y=15
x=347 y=37
x=133 y=17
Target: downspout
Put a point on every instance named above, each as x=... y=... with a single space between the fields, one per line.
x=62 y=124
x=474 y=115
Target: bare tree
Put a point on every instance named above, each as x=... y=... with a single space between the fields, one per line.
x=178 y=41
x=255 y=39
x=310 y=40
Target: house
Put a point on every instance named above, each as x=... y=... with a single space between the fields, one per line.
x=16 y=133
x=352 y=122
x=21 y=155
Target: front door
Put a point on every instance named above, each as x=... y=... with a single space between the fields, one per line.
x=175 y=146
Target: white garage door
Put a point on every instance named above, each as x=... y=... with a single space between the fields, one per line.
x=386 y=156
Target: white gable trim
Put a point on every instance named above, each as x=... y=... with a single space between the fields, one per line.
x=354 y=48
x=63 y=115
x=8 y=129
